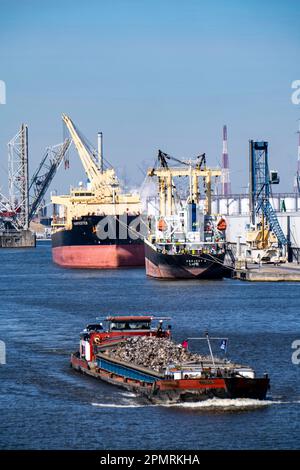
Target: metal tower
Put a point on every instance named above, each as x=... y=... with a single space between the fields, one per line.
x=18 y=177
x=225 y=178
x=259 y=188
x=25 y=199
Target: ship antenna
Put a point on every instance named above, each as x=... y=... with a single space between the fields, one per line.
x=210 y=349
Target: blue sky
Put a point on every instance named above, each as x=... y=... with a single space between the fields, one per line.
x=152 y=74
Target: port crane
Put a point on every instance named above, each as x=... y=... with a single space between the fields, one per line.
x=265 y=238
x=261 y=180
x=25 y=197
x=102 y=194
x=193 y=169
x=103 y=182
x=44 y=174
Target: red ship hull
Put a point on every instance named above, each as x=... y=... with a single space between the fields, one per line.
x=99 y=257
x=88 y=245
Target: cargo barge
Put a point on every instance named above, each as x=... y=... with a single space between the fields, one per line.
x=176 y=382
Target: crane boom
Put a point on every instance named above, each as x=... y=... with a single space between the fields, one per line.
x=44 y=174
x=98 y=179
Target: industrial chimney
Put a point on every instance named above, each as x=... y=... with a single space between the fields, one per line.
x=297 y=176
x=225 y=178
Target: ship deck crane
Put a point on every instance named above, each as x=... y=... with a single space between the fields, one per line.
x=103 y=182
x=194 y=169
x=103 y=194
x=199 y=162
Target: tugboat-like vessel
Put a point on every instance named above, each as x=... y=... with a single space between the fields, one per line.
x=175 y=382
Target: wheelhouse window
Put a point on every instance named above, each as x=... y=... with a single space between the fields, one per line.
x=130 y=325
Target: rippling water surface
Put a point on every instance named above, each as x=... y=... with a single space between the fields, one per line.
x=46 y=405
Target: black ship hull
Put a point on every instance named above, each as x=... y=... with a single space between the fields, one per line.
x=183 y=266
x=93 y=243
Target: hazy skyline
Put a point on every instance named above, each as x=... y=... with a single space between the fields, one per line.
x=152 y=74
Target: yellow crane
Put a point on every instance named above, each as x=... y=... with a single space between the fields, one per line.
x=166 y=174
x=102 y=196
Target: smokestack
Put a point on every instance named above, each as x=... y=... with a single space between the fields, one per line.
x=226 y=186
x=297 y=177
x=100 y=151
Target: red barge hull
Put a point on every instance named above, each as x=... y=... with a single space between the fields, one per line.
x=159 y=390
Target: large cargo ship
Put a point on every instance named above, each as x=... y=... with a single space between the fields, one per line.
x=185 y=240
x=98 y=226
x=199 y=378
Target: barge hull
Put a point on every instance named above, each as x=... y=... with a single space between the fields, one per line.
x=162 y=391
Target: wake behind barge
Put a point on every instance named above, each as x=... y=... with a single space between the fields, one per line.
x=175 y=383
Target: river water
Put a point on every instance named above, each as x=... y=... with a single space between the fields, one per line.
x=47 y=405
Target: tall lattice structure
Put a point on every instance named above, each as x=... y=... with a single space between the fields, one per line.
x=259 y=188
x=18 y=179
